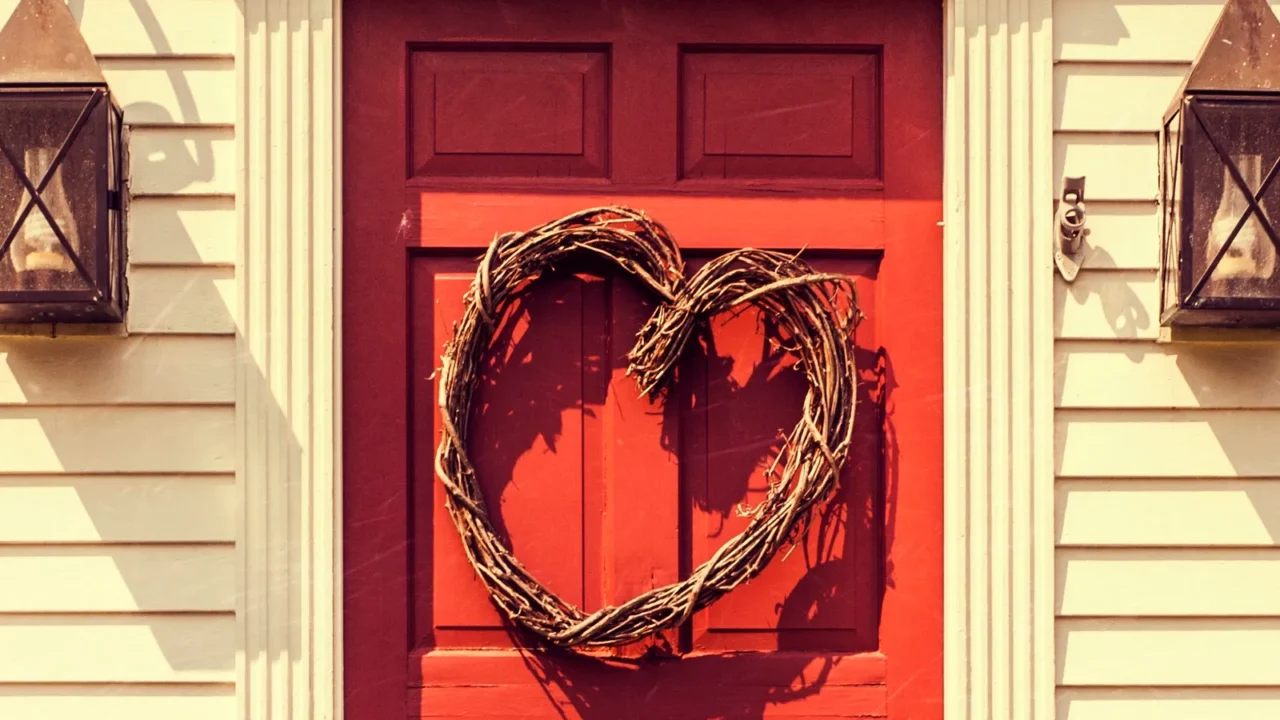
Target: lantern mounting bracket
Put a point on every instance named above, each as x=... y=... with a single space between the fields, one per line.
x=1068 y=240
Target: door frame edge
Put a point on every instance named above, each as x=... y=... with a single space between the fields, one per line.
x=288 y=327
x=999 y=645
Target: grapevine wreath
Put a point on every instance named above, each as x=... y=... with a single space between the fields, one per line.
x=799 y=300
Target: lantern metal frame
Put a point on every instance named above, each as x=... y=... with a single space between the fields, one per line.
x=1238 y=68
x=45 y=61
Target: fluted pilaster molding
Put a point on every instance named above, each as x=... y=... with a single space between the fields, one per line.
x=999 y=360
x=288 y=280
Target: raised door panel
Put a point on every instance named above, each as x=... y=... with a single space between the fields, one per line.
x=821 y=594
x=526 y=445
x=764 y=114
x=498 y=111
x=581 y=476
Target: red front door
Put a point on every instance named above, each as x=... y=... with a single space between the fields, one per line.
x=779 y=125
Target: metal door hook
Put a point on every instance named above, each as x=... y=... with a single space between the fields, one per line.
x=1069 y=230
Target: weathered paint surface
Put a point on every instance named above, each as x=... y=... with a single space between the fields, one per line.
x=815 y=127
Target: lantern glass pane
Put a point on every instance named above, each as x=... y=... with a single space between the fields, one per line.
x=1171 y=206
x=54 y=247
x=1232 y=146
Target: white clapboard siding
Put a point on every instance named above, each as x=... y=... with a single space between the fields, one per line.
x=187 y=160
x=1135 y=31
x=116 y=440
x=1164 y=651
x=1168 y=582
x=182 y=300
x=101 y=371
x=1108 y=97
x=117 y=578
x=182 y=230
x=1099 y=375
x=54 y=509
x=1122 y=236
x=1117 y=166
x=81 y=648
x=1168 y=513
x=174 y=91
x=154 y=27
x=1168 y=490
x=1168 y=703
x=118 y=499
x=118 y=702
x=1107 y=305
x=1167 y=443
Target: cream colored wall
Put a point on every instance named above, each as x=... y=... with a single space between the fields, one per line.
x=117 y=455
x=1168 y=497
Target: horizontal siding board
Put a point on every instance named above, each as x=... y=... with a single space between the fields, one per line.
x=155 y=27
x=1107 y=97
x=1134 y=31
x=1119 y=166
x=174 y=91
x=186 y=300
x=109 y=578
x=1097 y=375
x=117 y=702
x=117 y=509
x=1169 y=582
x=117 y=439
x=1168 y=513
x=1122 y=236
x=1168 y=652
x=118 y=648
x=1167 y=443
x=182 y=161
x=182 y=230
x=1168 y=703
x=1106 y=305
x=103 y=371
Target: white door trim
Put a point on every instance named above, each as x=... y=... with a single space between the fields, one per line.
x=998 y=320
x=998 y=360
x=289 y=409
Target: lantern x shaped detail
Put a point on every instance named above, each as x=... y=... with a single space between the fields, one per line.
x=1250 y=196
x=50 y=226
x=62 y=177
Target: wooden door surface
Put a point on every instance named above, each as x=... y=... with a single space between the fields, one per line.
x=806 y=124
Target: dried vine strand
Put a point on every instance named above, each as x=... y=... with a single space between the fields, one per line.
x=803 y=305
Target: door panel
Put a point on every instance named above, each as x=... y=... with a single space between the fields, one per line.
x=760 y=115
x=805 y=125
x=822 y=595
x=529 y=427
x=500 y=112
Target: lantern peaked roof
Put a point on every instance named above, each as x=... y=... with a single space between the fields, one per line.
x=1242 y=52
x=41 y=44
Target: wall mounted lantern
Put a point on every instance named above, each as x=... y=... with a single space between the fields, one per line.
x=1219 y=157
x=62 y=170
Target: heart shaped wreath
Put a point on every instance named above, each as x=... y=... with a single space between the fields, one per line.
x=800 y=301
